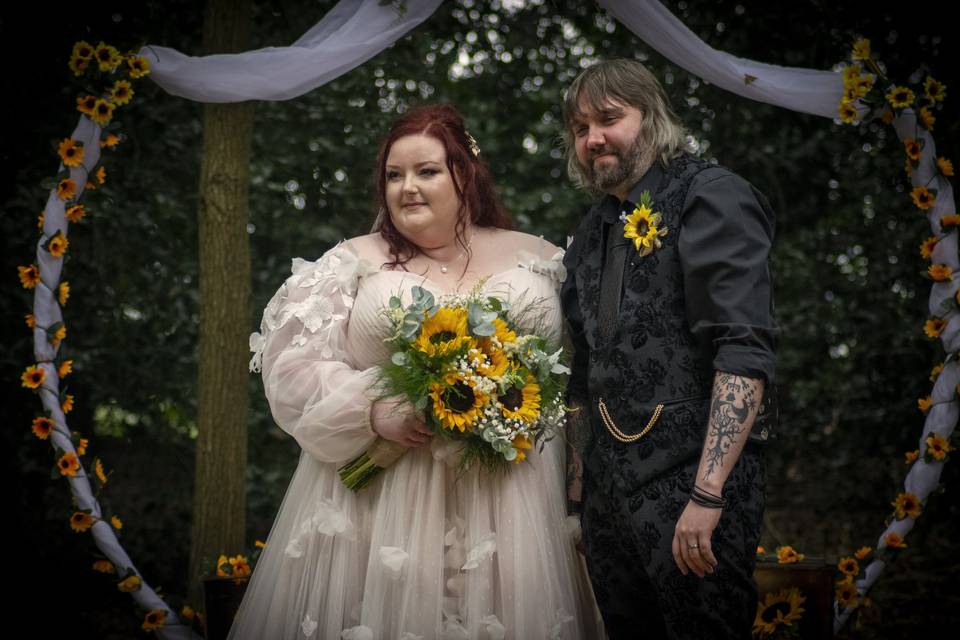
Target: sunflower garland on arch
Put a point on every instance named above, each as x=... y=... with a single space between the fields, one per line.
x=82 y=170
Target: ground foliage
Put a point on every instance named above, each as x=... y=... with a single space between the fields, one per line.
x=848 y=295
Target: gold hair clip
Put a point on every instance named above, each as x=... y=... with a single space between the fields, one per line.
x=472 y=143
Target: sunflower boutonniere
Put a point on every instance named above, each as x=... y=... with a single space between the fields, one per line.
x=643 y=226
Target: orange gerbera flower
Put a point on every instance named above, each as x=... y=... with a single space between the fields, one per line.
x=938 y=447
x=922 y=197
x=911 y=456
x=63 y=293
x=907 y=505
x=894 y=540
x=863 y=552
x=29 y=276
x=788 y=555
x=945 y=166
x=934 y=327
x=927 y=119
x=66 y=189
x=848 y=566
x=103 y=566
x=33 y=377
x=67 y=405
x=155 y=619
x=86 y=104
x=71 y=152
x=57 y=246
x=66 y=367
x=81 y=521
x=913 y=148
x=926 y=247
x=68 y=464
x=41 y=427
x=925 y=403
x=940 y=272
x=75 y=213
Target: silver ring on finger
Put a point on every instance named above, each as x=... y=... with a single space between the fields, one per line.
x=693 y=546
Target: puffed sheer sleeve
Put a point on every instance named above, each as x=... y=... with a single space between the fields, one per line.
x=724 y=245
x=314 y=391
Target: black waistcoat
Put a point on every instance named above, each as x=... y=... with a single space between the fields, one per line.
x=651 y=371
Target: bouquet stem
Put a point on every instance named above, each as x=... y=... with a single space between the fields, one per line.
x=360 y=472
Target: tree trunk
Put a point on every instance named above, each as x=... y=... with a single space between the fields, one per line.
x=219 y=501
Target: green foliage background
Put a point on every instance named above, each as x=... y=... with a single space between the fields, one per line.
x=850 y=301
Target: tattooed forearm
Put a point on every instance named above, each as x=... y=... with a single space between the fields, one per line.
x=732 y=412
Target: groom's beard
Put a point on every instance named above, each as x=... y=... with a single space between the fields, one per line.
x=630 y=166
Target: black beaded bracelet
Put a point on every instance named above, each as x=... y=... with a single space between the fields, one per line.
x=706 y=499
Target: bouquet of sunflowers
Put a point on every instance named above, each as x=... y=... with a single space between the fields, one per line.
x=474 y=375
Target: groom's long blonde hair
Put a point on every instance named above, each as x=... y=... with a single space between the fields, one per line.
x=629 y=82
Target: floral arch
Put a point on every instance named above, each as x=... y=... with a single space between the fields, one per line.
x=353 y=32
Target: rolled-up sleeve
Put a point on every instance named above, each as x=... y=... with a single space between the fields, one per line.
x=725 y=237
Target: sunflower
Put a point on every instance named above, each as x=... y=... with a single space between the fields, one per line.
x=137 y=66
x=155 y=619
x=925 y=403
x=29 y=276
x=887 y=117
x=260 y=544
x=851 y=73
x=940 y=272
x=444 y=333
x=40 y=218
x=67 y=405
x=110 y=140
x=82 y=446
x=864 y=84
x=936 y=91
x=926 y=247
x=102 y=112
x=86 y=104
x=848 y=113
x=68 y=464
x=107 y=57
x=71 y=152
x=927 y=119
x=900 y=97
x=239 y=566
x=76 y=212
x=781 y=608
x=456 y=402
x=103 y=566
x=945 y=167
x=31 y=320
x=520 y=444
x=58 y=245
x=788 y=555
x=934 y=327
x=63 y=293
x=863 y=552
x=101 y=175
x=908 y=167
x=82 y=49
x=861 y=49
x=129 y=584
x=642 y=226
x=33 y=377
x=222 y=563
x=187 y=612
x=522 y=403
x=58 y=336
x=847 y=595
x=98 y=470
x=65 y=368
x=938 y=447
x=78 y=65
x=116 y=522
x=912 y=148
x=41 y=427
x=948 y=222
x=894 y=540
x=81 y=521
x=121 y=93
x=907 y=505
x=848 y=566
x=66 y=189
x=922 y=197
x=911 y=456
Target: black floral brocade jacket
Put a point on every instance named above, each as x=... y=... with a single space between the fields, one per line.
x=701 y=302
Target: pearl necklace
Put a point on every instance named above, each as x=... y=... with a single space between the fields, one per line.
x=445 y=267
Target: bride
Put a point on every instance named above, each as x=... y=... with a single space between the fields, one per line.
x=424 y=552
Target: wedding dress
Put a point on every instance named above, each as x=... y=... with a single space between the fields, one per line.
x=422 y=553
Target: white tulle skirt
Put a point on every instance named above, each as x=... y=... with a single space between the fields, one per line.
x=422 y=554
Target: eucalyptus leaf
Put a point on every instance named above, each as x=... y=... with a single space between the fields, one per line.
x=399 y=358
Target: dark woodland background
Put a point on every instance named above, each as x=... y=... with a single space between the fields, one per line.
x=849 y=295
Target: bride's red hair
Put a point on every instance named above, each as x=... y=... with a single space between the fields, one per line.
x=471 y=177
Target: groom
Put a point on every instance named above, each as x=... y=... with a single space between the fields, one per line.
x=668 y=298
